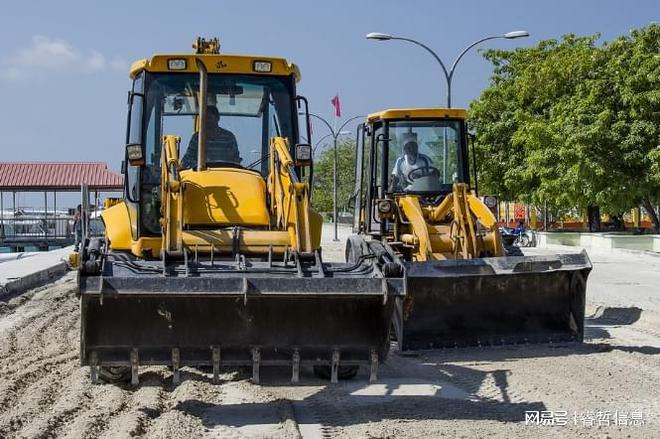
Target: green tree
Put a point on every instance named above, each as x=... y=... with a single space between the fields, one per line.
x=573 y=124
x=323 y=181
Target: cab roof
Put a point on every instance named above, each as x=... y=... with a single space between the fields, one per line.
x=418 y=113
x=215 y=63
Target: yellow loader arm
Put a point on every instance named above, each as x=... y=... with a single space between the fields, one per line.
x=472 y=233
x=171 y=196
x=289 y=198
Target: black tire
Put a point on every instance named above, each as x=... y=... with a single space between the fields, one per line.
x=513 y=251
x=344 y=372
x=115 y=374
x=392 y=269
x=508 y=240
x=355 y=247
x=524 y=241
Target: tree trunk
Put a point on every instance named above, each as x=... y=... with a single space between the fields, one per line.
x=648 y=205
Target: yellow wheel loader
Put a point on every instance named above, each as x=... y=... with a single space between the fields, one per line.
x=213 y=256
x=413 y=195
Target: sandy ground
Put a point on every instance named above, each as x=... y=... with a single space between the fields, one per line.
x=614 y=377
x=334 y=250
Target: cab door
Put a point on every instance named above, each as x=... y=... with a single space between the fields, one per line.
x=375 y=146
x=357 y=200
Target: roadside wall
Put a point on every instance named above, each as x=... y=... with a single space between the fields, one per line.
x=600 y=241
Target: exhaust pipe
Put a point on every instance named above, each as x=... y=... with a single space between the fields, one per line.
x=201 y=136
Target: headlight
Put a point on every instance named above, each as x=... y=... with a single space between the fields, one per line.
x=303 y=152
x=384 y=207
x=176 y=64
x=134 y=152
x=262 y=66
x=490 y=201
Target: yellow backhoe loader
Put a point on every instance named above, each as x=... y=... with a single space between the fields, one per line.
x=213 y=256
x=413 y=195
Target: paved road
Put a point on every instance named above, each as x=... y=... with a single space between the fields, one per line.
x=334 y=250
x=619 y=279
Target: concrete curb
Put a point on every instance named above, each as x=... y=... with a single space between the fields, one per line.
x=603 y=242
x=20 y=285
x=616 y=250
x=635 y=252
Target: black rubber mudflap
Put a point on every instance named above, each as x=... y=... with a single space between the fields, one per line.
x=493 y=301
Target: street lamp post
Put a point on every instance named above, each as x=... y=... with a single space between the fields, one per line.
x=449 y=74
x=335 y=135
x=318 y=142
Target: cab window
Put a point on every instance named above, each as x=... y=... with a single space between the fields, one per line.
x=424 y=155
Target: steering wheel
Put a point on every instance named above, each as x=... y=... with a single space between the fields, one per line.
x=423 y=171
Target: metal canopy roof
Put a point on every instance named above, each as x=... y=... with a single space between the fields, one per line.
x=58 y=176
x=419 y=113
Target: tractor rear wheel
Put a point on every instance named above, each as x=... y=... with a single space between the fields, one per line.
x=115 y=374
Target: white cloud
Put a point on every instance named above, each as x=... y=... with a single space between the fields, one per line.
x=119 y=65
x=47 y=55
x=96 y=61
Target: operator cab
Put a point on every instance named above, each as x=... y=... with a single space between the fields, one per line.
x=248 y=101
x=404 y=152
x=423 y=155
x=423 y=149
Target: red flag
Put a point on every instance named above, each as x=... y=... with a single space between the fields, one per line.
x=337 y=105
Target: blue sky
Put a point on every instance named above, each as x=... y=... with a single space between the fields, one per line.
x=71 y=105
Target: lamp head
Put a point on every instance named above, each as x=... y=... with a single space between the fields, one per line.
x=516 y=34
x=378 y=36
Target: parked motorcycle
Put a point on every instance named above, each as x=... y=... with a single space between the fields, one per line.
x=518 y=237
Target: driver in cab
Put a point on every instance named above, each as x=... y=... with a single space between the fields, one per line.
x=221 y=145
x=404 y=165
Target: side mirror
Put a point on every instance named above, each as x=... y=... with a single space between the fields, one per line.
x=134 y=154
x=123 y=167
x=303 y=154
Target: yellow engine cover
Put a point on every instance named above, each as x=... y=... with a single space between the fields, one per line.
x=224 y=196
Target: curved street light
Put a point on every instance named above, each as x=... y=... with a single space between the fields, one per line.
x=318 y=142
x=449 y=74
x=335 y=133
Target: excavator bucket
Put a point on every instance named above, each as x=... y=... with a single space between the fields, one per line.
x=229 y=314
x=493 y=301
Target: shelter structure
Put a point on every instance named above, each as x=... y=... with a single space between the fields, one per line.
x=21 y=227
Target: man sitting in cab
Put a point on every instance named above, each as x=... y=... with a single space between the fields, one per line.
x=221 y=145
x=404 y=165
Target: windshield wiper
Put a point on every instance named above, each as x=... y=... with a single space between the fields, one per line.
x=255 y=163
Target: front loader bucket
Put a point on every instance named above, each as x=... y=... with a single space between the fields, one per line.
x=492 y=301
x=256 y=316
